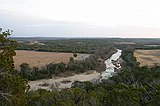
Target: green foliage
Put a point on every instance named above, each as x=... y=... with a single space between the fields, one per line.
x=68 y=45
x=7 y=47
x=98 y=95
x=13 y=90
x=12 y=87
x=58 y=68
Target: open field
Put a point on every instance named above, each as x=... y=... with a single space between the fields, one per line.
x=125 y=43
x=152 y=45
x=39 y=59
x=148 y=57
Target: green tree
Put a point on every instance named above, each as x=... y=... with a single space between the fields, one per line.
x=12 y=87
x=75 y=54
x=71 y=59
x=25 y=70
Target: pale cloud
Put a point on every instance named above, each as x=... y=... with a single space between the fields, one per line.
x=103 y=12
x=108 y=13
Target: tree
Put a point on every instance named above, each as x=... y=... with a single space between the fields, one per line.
x=75 y=54
x=12 y=87
x=7 y=52
x=25 y=69
x=71 y=59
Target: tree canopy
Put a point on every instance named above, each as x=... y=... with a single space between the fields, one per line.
x=12 y=87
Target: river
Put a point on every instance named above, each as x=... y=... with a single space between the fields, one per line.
x=109 y=72
x=110 y=66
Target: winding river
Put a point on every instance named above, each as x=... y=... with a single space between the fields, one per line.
x=110 y=66
x=109 y=72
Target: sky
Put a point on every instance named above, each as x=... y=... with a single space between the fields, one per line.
x=97 y=18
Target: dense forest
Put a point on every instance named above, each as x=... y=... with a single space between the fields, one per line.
x=133 y=86
x=71 y=45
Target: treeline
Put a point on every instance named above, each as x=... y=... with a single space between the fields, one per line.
x=55 y=69
x=70 y=45
x=83 y=45
x=149 y=47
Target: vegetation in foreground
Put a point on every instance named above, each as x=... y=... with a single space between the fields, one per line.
x=13 y=89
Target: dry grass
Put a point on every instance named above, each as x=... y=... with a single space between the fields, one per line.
x=148 y=57
x=125 y=43
x=39 y=59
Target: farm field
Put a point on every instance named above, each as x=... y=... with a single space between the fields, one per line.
x=148 y=57
x=39 y=59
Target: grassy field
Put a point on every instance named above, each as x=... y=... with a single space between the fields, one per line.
x=148 y=57
x=39 y=59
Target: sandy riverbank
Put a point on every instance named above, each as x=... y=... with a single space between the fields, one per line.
x=78 y=77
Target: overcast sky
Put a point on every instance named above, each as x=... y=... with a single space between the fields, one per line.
x=131 y=18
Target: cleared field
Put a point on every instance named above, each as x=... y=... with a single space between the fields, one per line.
x=148 y=57
x=125 y=43
x=39 y=59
